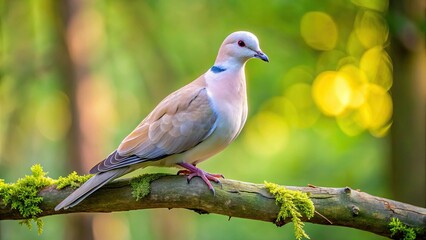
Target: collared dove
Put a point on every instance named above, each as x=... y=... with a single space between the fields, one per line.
x=188 y=126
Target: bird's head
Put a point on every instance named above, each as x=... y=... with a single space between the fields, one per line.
x=240 y=46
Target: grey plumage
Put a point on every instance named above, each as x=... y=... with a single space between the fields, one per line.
x=89 y=187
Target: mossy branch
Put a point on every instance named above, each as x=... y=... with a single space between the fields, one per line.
x=340 y=206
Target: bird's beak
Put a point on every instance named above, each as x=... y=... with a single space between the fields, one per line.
x=261 y=55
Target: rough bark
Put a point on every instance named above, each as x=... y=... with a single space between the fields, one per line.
x=341 y=206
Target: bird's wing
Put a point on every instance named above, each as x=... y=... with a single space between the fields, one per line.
x=180 y=122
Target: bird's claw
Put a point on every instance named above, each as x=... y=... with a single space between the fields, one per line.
x=183 y=172
x=191 y=171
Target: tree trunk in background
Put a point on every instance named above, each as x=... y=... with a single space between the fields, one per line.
x=78 y=226
x=408 y=92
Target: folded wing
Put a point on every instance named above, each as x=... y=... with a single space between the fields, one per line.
x=180 y=122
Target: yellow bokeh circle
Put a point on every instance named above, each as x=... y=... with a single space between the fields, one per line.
x=377 y=65
x=332 y=92
x=319 y=31
x=371 y=28
x=376 y=111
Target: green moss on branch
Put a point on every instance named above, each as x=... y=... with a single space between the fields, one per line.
x=292 y=205
x=401 y=231
x=22 y=195
x=73 y=180
x=141 y=185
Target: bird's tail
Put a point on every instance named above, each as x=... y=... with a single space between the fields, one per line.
x=90 y=186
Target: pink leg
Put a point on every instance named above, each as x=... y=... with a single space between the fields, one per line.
x=193 y=171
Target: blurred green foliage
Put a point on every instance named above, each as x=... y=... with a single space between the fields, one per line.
x=319 y=113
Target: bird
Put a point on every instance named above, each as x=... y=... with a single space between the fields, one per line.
x=188 y=126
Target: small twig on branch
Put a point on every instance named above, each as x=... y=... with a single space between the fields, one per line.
x=341 y=206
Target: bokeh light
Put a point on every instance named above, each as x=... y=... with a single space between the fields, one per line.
x=269 y=128
x=376 y=111
x=53 y=117
x=304 y=113
x=319 y=30
x=332 y=92
x=377 y=65
x=371 y=28
x=377 y=5
x=352 y=84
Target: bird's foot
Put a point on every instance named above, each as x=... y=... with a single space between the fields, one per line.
x=215 y=175
x=192 y=171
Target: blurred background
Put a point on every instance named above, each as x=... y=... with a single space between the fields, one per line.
x=342 y=102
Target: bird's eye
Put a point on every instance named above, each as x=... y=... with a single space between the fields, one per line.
x=241 y=43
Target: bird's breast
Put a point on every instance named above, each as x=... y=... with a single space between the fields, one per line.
x=229 y=100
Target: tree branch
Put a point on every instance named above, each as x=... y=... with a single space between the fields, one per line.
x=342 y=206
